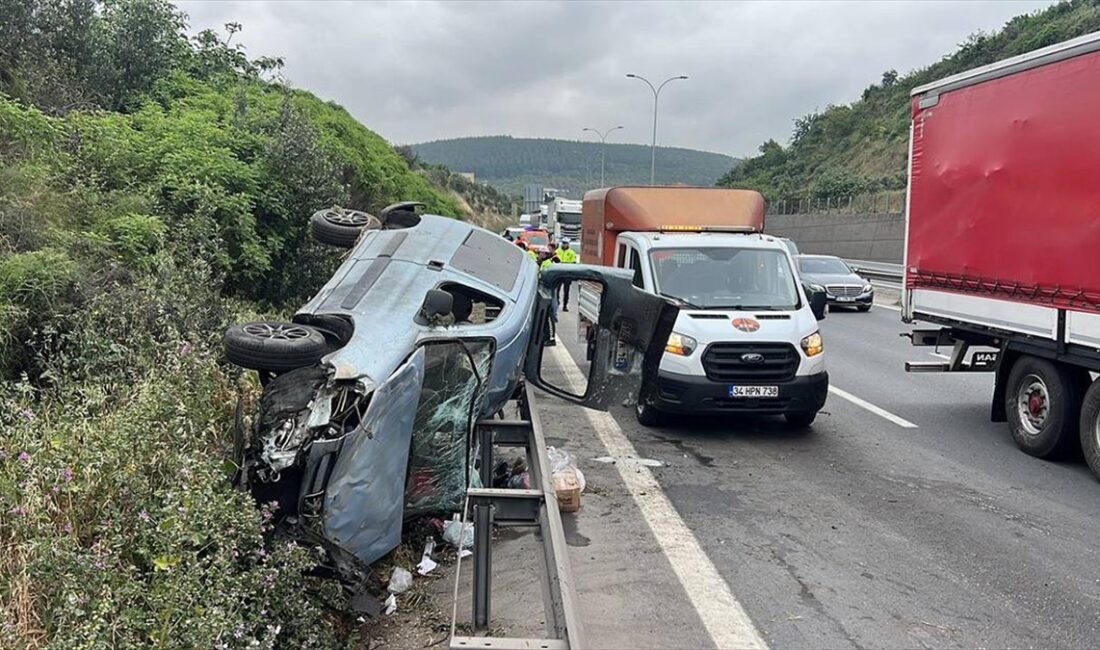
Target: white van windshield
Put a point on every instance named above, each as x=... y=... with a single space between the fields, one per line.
x=726 y=278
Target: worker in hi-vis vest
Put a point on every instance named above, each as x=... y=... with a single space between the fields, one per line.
x=566 y=255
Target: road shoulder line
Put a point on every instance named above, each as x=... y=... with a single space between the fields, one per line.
x=879 y=411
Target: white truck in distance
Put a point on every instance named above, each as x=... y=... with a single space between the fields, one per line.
x=563 y=220
x=746 y=339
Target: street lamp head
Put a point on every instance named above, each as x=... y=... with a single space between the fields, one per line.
x=683 y=76
x=631 y=75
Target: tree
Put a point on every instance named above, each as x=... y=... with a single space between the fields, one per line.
x=889 y=78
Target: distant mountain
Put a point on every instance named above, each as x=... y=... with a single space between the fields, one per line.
x=509 y=163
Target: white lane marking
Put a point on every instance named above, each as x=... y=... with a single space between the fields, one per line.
x=723 y=616
x=940 y=356
x=881 y=412
x=890 y=307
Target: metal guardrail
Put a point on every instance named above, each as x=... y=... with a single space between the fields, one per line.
x=536 y=507
x=883 y=271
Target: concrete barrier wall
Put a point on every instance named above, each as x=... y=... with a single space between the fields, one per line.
x=870 y=237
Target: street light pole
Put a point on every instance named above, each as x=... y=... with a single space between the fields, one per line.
x=653 y=148
x=603 y=147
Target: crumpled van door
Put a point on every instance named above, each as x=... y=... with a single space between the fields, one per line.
x=365 y=497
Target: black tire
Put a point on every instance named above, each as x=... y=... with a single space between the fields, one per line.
x=648 y=415
x=339 y=227
x=864 y=308
x=1051 y=397
x=1090 y=427
x=800 y=420
x=274 y=346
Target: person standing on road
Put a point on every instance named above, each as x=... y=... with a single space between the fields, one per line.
x=549 y=259
x=566 y=255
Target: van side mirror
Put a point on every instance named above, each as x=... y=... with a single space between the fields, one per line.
x=818 y=301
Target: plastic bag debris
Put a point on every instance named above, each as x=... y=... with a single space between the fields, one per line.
x=391 y=605
x=427 y=564
x=514 y=475
x=457 y=534
x=400 y=581
x=562 y=461
x=567 y=478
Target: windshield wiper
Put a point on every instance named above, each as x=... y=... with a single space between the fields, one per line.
x=679 y=301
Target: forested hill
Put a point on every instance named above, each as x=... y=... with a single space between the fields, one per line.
x=509 y=163
x=861 y=147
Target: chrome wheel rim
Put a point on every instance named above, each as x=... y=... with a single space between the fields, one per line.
x=276 y=331
x=349 y=218
x=1033 y=404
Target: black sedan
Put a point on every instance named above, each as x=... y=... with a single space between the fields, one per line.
x=843 y=286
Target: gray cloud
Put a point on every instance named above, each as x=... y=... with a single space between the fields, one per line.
x=416 y=71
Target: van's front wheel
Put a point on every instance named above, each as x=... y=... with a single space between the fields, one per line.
x=648 y=415
x=800 y=420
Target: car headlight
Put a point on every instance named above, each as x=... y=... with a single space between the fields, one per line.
x=681 y=344
x=812 y=345
x=867 y=288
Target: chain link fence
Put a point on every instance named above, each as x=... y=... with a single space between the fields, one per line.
x=892 y=202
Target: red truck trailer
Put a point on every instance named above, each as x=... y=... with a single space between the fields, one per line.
x=1002 y=248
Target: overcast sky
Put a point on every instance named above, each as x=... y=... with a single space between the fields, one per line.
x=417 y=71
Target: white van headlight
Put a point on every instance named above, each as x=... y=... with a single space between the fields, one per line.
x=812 y=345
x=681 y=344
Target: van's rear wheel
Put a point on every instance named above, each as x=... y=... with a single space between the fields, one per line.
x=1090 y=427
x=1042 y=403
x=339 y=227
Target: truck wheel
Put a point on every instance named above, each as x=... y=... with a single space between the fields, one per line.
x=800 y=420
x=648 y=415
x=1042 y=402
x=339 y=227
x=1090 y=427
x=274 y=346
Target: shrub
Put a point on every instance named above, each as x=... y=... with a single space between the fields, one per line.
x=35 y=280
x=135 y=238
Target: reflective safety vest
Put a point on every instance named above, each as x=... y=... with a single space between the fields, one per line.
x=567 y=255
x=546 y=264
x=533 y=254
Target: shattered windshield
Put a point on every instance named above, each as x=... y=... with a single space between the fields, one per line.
x=729 y=278
x=450 y=401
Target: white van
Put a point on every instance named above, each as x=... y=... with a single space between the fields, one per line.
x=746 y=339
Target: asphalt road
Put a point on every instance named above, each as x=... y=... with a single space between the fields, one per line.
x=858 y=533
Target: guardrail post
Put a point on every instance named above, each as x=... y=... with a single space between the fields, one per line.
x=483 y=541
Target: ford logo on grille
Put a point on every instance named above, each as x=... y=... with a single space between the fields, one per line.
x=752 y=357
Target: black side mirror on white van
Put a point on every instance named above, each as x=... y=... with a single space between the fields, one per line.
x=818 y=301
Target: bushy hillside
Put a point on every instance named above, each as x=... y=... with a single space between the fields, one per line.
x=862 y=147
x=509 y=163
x=153 y=190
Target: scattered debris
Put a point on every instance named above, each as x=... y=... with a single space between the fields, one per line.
x=400 y=581
x=457 y=534
x=648 y=462
x=514 y=475
x=427 y=564
x=568 y=479
x=391 y=605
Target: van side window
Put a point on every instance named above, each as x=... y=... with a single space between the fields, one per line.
x=636 y=266
x=620 y=259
